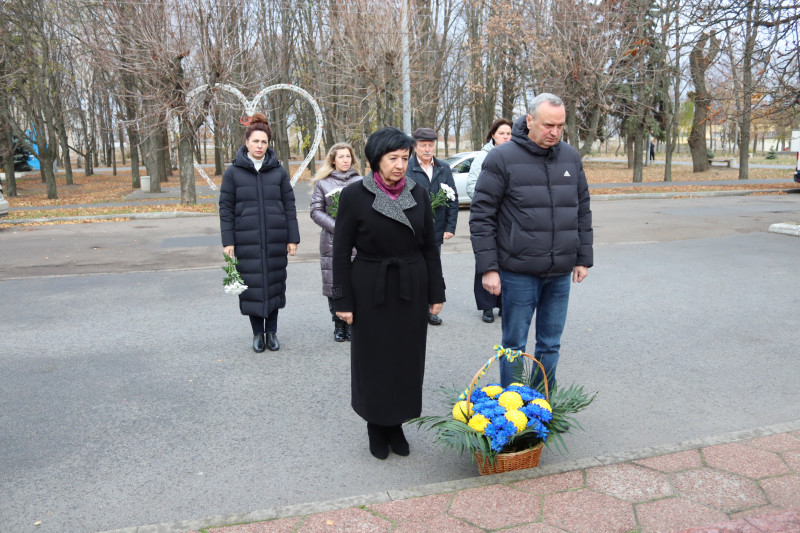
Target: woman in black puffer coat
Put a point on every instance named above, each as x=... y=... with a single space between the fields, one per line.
x=258 y=222
x=335 y=173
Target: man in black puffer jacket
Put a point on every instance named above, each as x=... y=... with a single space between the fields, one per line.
x=531 y=231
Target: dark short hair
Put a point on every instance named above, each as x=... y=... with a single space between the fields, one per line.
x=382 y=142
x=496 y=125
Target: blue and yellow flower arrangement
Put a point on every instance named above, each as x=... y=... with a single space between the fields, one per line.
x=492 y=420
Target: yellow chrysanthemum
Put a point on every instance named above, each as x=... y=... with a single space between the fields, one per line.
x=492 y=390
x=479 y=423
x=543 y=404
x=460 y=409
x=518 y=419
x=510 y=400
x=516 y=385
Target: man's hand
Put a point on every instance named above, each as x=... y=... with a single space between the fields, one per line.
x=436 y=308
x=491 y=282
x=579 y=273
x=448 y=235
x=291 y=248
x=228 y=250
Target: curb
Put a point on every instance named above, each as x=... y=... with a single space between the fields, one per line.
x=452 y=486
x=787 y=228
x=129 y=216
x=594 y=197
x=696 y=194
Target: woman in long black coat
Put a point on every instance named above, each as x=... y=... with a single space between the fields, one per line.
x=258 y=222
x=387 y=291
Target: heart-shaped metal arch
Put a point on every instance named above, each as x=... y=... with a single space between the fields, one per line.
x=250 y=107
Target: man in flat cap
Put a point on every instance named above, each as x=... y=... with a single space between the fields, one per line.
x=431 y=174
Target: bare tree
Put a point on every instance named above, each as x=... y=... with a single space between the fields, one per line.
x=700 y=59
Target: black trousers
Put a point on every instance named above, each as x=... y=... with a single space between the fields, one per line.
x=261 y=325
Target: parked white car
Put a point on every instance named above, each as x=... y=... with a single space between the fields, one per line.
x=3 y=202
x=460 y=164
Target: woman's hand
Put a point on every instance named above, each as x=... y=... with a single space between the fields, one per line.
x=436 y=308
x=228 y=250
x=347 y=316
x=291 y=248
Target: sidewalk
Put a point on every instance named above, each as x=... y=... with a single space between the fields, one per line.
x=743 y=482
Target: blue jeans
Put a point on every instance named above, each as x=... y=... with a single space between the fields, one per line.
x=548 y=297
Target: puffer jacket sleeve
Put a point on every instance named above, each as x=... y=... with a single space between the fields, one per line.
x=489 y=193
x=474 y=172
x=319 y=209
x=227 y=203
x=451 y=217
x=585 y=233
x=287 y=197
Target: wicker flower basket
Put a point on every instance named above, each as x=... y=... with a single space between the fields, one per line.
x=510 y=461
x=507 y=462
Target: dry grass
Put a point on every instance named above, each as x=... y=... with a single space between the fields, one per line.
x=106 y=188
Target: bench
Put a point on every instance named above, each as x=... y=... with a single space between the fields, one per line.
x=720 y=163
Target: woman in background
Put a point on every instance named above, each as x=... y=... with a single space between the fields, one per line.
x=499 y=133
x=335 y=173
x=258 y=222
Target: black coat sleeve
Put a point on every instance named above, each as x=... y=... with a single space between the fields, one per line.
x=430 y=250
x=344 y=239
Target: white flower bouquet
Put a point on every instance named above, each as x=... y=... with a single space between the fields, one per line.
x=443 y=195
x=232 y=282
x=333 y=209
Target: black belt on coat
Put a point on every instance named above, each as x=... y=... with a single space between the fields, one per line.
x=402 y=263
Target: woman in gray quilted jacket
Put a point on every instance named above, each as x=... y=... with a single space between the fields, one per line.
x=335 y=173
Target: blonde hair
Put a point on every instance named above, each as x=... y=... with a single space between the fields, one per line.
x=327 y=166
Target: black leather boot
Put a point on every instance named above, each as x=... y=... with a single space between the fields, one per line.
x=349 y=334
x=378 y=446
x=339 y=330
x=259 y=343
x=488 y=316
x=397 y=440
x=272 y=342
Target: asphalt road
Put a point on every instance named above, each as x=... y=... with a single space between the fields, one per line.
x=129 y=394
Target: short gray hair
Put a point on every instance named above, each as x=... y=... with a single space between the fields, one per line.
x=541 y=98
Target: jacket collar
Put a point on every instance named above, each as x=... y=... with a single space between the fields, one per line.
x=384 y=205
x=270 y=160
x=519 y=134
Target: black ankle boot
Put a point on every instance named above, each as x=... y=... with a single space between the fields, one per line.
x=259 y=343
x=349 y=334
x=397 y=440
x=378 y=446
x=339 y=330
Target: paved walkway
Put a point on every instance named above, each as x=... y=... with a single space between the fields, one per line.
x=744 y=482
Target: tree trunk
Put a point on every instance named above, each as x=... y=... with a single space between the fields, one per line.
x=700 y=58
x=133 y=137
x=186 y=158
x=638 y=147
x=7 y=151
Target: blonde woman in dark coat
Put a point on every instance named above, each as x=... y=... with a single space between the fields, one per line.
x=258 y=222
x=335 y=173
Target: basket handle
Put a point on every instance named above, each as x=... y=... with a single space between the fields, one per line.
x=510 y=355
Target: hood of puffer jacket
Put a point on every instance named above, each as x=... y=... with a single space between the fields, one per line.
x=519 y=135
x=270 y=160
